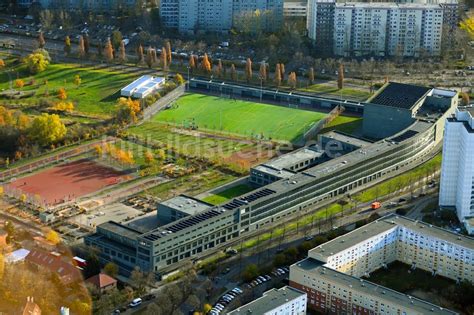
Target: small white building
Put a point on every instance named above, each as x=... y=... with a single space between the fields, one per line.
x=457 y=168
x=283 y=301
x=17 y=256
x=143 y=86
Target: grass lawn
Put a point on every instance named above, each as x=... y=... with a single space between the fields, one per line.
x=346 y=124
x=239 y=117
x=329 y=90
x=228 y=194
x=97 y=93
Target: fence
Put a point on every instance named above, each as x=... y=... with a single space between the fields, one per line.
x=316 y=128
x=163 y=102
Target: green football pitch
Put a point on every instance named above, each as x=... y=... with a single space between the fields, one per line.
x=239 y=117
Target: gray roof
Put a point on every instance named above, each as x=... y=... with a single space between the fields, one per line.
x=294 y=158
x=270 y=300
x=186 y=204
x=120 y=229
x=400 y=95
x=346 y=139
x=380 y=293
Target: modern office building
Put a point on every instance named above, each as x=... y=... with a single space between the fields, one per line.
x=283 y=301
x=143 y=86
x=396 y=106
x=457 y=169
x=331 y=273
x=296 y=9
x=357 y=28
x=161 y=248
x=190 y=16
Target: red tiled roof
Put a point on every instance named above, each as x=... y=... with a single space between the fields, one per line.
x=56 y=264
x=101 y=280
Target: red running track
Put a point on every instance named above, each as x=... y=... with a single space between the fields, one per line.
x=68 y=181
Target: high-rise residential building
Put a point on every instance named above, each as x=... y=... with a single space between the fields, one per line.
x=95 y=5
x=295 y=9
x=380 y=29
x=457 y=169
x=190 y=16
x=330 y=275
x=283 y=301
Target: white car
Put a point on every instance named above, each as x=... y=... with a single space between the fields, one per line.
x=135 y=302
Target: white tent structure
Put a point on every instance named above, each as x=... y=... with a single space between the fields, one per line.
x=143 y=86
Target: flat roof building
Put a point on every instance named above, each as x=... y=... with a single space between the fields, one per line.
x=284 y=301
x=179 y=207
x=331 y=273
x=142 y=87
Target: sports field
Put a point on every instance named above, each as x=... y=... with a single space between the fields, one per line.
x=239 y=117
x=67 y=181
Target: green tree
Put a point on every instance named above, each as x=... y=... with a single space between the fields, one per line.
x=117 y=38
x=67 y=45
x=36 y=63
x=47 y=129
x=250 y=272
x=111 y=269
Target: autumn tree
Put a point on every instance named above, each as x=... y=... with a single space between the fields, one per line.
x=263 y=72
x=63 y=107
x=109 y=51
x=47 y=129
x=277 y=78
x=2 y=266
x=19 y=83
x=140 y=280
x=248 y=70
x=67 y=45
x=122 y=54
x=206 y=64
x=80 y=48
x=164 y=58
x=41 y=41
x=220 y=69
x=311 y=75
x=77 y=80
x=149 y=57
x=140 y=55
x=149 y=158
x=127 y=110
x=340 y=77
x=465 y=98
x=168 y=53
x=62 y=94
x=292 y=81
x=2 y=63
x=192 y=62
x=233 y=72
x=53 y=237
x=36 y=62
x=178 y=78
x=282 y=71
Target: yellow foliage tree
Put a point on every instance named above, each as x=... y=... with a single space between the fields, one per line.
x=19 y=83
x=179 y=79
x=64 y=107
x=2 y=266
x=1 y=191
x=128 y=109
x=149 y=158
x=53 y=237
x=206 y=64
x=36 y=62
x=2 y=63
x=47 y=129
x=23 y=198
x=62 y=94
x=207 y=307
x=77 y=80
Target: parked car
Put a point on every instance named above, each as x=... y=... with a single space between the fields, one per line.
x=135 y=302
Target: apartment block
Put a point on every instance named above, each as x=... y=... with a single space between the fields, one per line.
x=331 y=273
x=283 y=301
x=190 y=16
x=352 y=28
x=457 y=169
x=295 y=9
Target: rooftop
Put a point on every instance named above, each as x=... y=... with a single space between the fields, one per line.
x=384 y=224
x=316 y=268
x=120 y=229
x=285 y=161
x=400 y=95
x=270 y=300
x=186 y=204
x=341 y=137
x=101 y=280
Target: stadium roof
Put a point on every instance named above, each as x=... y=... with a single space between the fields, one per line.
x=400 y=95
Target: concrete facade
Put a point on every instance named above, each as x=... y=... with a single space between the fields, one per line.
x=330 y=275
x=406 y=28
x=457 y=170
